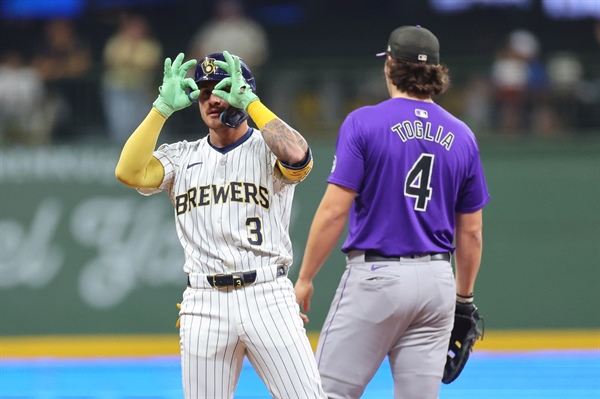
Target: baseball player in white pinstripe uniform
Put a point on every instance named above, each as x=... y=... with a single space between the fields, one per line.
x=232 y=194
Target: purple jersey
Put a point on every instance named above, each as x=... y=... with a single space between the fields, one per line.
x=413 y=166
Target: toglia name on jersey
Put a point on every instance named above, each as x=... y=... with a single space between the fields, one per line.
x=409 y=130
x=212 y=194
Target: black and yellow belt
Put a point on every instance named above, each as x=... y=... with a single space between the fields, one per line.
x=237 y=279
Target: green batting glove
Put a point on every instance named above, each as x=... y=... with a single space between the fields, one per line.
x=173 y=91
x=240 y=94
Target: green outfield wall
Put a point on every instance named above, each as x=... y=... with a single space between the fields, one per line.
x=81 y=254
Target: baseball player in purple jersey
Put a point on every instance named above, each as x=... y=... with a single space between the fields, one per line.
x=232 y=193
x=408 y=178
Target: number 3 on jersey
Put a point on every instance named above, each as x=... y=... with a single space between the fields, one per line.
x=418 y=181
x=254 y=226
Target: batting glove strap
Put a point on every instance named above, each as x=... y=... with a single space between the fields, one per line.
x=162 y=107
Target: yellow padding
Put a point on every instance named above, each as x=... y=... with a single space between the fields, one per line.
x=89 y=346
x=295 y=174
x=523 y=340
x=168 y=344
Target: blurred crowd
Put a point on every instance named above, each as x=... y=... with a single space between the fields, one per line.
x=59 y=92
x=56 y=95
x=523 y=92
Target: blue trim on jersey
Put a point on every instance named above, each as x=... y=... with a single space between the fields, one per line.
x=230 y=147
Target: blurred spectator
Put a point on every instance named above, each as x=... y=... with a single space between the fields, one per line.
x=232 y=30
x=25 y=117
x=63 y=60
x=588 y=91
x=477 y=107
x=565 y=74
x=132 y=58
x=519 y=86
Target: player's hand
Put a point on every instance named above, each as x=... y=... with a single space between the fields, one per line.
x=304 y=290
x=240 y=94
x=173 y=95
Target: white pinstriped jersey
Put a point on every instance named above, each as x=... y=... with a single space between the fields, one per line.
x=232 y=213
x=232 y=210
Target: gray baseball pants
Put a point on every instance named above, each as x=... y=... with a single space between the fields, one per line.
x=401 y=309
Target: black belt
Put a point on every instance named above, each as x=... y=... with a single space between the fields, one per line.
x=237 y=279
x=371 y=256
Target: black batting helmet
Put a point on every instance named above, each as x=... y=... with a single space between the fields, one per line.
x=206 y=70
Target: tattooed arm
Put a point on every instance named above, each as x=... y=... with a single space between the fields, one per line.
x=290 y=148
x=286 y=143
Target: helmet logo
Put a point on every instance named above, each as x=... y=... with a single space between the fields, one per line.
x=208 y=66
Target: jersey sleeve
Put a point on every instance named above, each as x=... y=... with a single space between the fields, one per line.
x=474 y=193
x=348 y=162
x=167 y=155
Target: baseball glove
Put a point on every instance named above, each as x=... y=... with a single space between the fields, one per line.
x=464 y=334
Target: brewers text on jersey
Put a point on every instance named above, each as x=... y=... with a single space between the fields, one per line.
x=246 y=192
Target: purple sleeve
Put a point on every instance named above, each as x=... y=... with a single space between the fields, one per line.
x=474 y=194
x=348 y=163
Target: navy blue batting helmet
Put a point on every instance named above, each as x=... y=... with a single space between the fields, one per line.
x=206 y=70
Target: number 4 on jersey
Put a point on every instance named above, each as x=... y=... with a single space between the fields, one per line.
x=418 y=181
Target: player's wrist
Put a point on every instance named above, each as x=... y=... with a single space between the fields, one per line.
x=464 y=298
x=162 y=107
x=155 y=111
x=260 y=114
x=303 y=279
